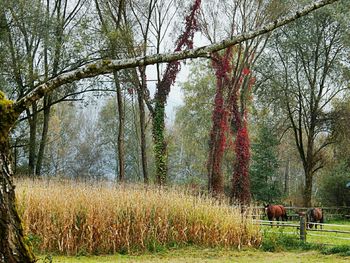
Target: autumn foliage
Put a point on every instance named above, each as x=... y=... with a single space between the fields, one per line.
x=220 y=115
x=233 y=84
x=184 y=41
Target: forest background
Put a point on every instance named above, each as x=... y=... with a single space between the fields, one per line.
x=292 y=94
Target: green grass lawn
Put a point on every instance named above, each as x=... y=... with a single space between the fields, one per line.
x=191 y=255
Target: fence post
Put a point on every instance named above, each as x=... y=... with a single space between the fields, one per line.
x=302 y=226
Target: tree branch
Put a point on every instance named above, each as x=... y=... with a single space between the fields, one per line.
x=107 y=66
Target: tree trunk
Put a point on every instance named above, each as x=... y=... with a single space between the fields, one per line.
x=13 y=248
x=12 y=243
x=217 y=141
x=239 y=127
x=47 y=109
x=215 y=176
x=286 y=177
x=309 y=161
x=240 y=179
x=308 y=188
x=216 y=150
x=121 y=127
x=143 y=136
x=160 y=146
x=32 y=138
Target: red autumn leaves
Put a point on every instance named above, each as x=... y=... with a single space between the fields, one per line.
x=233 y=84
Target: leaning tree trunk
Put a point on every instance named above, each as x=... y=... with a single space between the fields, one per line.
x=13 y=247
x=12 y=243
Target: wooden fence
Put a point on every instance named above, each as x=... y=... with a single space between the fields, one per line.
x=304 y=231
x=293 y=212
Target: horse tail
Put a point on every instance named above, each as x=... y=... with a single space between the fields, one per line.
x=322 y=217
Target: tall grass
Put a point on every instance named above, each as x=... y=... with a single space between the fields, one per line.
x=76 y=218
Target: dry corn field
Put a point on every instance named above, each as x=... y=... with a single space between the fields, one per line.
x=75 y=218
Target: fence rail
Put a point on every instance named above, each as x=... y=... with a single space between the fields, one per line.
x=329 y=231
x=302 y=227
x=279 y=223
x=335 y=237
x=331 y=225
x=293 y=212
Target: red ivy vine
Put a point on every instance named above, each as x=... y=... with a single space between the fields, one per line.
x=217 y=144
x=185 y=40
x=232 y=92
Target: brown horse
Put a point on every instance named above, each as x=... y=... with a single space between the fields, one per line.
x=314 y=215
x=277 y=212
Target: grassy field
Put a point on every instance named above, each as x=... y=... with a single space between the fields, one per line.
x=193 y=255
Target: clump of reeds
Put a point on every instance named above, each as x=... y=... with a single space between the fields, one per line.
x=75 y=218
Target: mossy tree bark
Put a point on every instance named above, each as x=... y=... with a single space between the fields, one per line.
x=13 y=247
